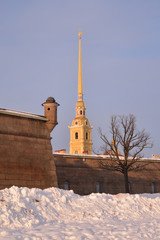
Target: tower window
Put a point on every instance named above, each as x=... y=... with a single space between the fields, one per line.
x=48 y=109
x=86 y=135
x=76 y=135
x=81 y=112
x=86 y=123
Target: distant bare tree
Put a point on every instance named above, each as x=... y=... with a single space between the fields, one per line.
x=127 y=138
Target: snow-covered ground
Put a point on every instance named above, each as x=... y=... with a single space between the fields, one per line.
x=58 y=214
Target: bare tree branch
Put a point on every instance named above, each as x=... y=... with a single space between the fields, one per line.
x=132 y=142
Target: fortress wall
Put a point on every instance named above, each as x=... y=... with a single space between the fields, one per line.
x=26 y=159
x=83 y=172
x=25 y=153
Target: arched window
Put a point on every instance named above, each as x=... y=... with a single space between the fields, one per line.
x=86 y=135
x=81 y=112
x=98 y=187
x=86 y=122
x=76 y=135
x=66 y=185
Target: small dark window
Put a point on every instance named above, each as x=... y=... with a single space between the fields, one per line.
x=66 y=185
x=48 y=109
x=81 y=112
x=129 y=186
x=153 y=187
x=98 y=187
x=86 y=135
x=76 y=135
x=86 y=122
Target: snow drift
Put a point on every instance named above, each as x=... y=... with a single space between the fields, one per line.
x=58 y=214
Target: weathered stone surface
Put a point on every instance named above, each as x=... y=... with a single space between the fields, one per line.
x=83 y=173
x=26 y=160
x=25 y=153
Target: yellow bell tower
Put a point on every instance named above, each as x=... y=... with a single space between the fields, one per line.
x=80 y=130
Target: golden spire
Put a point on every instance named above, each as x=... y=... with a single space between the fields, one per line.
x=80 y=86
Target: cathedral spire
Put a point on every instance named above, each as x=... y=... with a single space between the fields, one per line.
x=80 y=85
x=80 y=106
x=80 y=129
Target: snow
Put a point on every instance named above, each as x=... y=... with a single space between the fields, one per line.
x=58 y=214
x=22 y=114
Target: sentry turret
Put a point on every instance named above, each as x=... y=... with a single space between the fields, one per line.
x=50 y=112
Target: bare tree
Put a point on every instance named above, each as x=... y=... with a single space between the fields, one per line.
x=130 y=141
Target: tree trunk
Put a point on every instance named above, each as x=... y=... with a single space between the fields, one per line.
x=126 y=182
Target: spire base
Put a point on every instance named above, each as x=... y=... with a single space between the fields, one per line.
x=80 y=97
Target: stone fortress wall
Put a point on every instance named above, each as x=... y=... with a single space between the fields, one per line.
x=26 y=159
x=25 y=151
x=84 y=175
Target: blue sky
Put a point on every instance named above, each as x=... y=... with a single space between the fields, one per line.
x=120 y=61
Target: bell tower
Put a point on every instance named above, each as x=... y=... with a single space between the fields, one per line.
x=80 y=129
